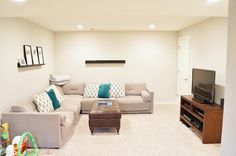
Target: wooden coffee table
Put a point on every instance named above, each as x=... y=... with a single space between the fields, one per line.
x=103 y=115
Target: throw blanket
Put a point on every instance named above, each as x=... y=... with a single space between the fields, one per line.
x=59 y=79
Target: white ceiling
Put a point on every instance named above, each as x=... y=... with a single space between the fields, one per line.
x=114 y=15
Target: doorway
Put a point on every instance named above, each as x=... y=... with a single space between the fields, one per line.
x=183 y=67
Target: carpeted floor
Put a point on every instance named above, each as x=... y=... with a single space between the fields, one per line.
x=158 y=134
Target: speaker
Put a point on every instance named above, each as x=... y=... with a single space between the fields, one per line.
x=222 y=102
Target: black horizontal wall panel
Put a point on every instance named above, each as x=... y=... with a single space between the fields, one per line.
x=103 y=61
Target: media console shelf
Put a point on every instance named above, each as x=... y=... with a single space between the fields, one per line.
x=205 y=120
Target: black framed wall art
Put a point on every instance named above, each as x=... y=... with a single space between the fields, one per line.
x=28 y=54
x=40 y=55
x=35 y=55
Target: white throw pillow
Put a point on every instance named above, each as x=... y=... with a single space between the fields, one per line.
x=43 y=102
x=57 y=92
x=117 y=89
x=91 y=89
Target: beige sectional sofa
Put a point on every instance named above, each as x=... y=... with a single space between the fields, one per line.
x=138 y=98
x=52 y=129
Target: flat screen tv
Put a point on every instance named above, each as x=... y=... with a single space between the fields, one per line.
x=203 y=85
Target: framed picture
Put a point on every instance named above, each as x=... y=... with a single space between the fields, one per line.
x=34 y=55
x=28 y=54
x=22 y=62
x=40 y=55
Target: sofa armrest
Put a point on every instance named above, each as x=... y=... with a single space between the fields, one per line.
x=45 y=127
x=146 y=95
x=152 y=99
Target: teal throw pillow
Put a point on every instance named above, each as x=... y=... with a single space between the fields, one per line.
x=55 y=102
x=104 y=90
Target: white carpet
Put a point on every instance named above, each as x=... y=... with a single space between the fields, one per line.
x=158 y=134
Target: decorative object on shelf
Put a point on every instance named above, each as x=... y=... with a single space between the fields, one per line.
x=40 y=55
x=28 y=54
x=35 y=55
x=22 y=62
x=103 y=61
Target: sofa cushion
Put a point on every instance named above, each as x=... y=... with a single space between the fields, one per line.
x=104 y=90
x=91 y=89
x=69 y=106
x=145 y=95
x=117 y=89
x=57 y=92
x=87 y=103
x=72 y=97
x=134 y=88
x=74 y=89
x=54 y=99
x=133 y=103
x=43 y=102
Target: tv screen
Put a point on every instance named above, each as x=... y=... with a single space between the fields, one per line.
x=203 y=85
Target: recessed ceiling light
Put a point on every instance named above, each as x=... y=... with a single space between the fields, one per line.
x=80 y=26
x=19 y=1
x=152 y=26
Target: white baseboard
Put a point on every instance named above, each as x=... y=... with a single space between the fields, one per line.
x=166 y=102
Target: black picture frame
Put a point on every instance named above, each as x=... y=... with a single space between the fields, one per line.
x=28 y=54
x=22 y=62
x=40 y=55
x=34 y=55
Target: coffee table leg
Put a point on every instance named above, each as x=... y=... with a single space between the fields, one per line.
x=118 y=129
x=91 y=129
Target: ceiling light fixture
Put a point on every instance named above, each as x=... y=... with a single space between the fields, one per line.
x=80 y=26
x=152 y=26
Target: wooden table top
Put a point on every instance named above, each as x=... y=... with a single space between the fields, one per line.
x=100 y=107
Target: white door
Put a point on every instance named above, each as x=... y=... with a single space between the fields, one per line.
x=183 y=66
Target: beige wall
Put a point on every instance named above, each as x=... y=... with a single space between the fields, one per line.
x=18 y=84
x=150 y=58
x=229 y=126
x=208 y=49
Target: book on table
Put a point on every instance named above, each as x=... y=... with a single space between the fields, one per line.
x=104 y=103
